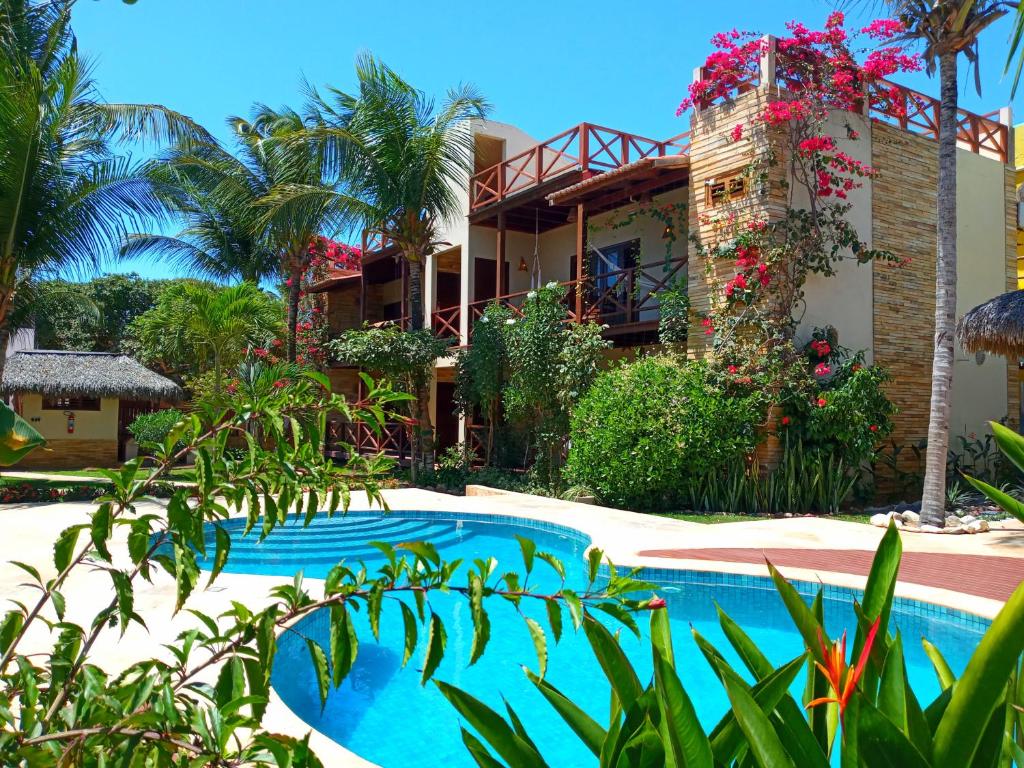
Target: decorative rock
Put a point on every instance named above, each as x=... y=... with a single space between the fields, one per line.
x=977 y=526
x=954 y=529
x=911 y=518
x=952 y=520
x=931 y=529
x=882 y=520
x=968 y=519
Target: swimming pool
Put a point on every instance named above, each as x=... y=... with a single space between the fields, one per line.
x=383 y=714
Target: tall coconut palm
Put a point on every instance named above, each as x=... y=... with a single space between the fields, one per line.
x=401 y=162
x=65 y=195
x=946 y=30
x=237 y=224
x=223 y=237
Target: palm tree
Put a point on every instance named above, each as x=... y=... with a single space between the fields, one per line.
x=945 y=29
x=400 y=162
x=223 y=237
x=207 y=328
x=65 y=196
x=235 y=224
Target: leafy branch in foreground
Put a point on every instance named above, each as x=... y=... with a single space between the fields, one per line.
x=201 y=700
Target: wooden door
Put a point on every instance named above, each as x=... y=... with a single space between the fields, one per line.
x=127 y=411
x=447 y=428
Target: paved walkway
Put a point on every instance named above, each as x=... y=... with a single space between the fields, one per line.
x=989 y=576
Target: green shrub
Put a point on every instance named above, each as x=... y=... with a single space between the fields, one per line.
x=646 y=429
x=150 y=429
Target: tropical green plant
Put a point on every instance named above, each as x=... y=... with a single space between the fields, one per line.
x=480 y=372
x=197 y=328
x=66 y=196
x=647 y=431
x=400 y=161
x=1011 y=444
x=204 y=701
x=405 y=358
x=674 y=314
x=945 y=30
x=861 y=712
x=18 y=438
x=551 y=364
x=151 y=429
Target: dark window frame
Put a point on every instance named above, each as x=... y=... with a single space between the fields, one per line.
x=72 y=403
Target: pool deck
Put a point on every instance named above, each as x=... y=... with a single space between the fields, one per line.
x=973 y=573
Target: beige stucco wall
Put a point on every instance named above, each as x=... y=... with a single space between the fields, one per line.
x=979 y=391
x=89 y=425
x=844 y=300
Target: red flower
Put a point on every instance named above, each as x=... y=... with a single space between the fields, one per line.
x=733 y=369
x=873 y=427
x=279 y=384
x=842 y=678
x=785 y=421
x=822 y=402
x=260 y=352
x=737 y=132
x=656 y=602
x=822 y=370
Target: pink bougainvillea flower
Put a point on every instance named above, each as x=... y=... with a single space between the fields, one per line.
x=737 y=132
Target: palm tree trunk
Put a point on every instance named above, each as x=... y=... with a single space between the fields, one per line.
x=933 y=501
x=424 y=432
x=295 y=278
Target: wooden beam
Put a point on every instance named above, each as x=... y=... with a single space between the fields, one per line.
x=581 y=246
x=499 y=256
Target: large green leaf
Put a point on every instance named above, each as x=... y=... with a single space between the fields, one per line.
x=883 y=744
x=764 y=742
x=584 y=726
x=18 y=438
x=1003 y=499
x=613 y=661
x=981 y=687
x=492 y=727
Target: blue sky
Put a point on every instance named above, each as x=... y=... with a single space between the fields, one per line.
x=544 y=65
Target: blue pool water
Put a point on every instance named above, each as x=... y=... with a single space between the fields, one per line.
x=382 y=713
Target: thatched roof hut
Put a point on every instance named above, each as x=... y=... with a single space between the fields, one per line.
x=997 y=326
x=84 y=374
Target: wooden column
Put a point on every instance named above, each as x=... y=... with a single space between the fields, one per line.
x=499 y=258
x=581 y=247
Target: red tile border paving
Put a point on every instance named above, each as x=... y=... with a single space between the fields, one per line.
x=987 y=576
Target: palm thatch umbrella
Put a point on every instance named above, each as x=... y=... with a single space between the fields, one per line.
x=997 y=326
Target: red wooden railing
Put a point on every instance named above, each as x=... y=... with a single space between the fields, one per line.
x=610 y=298
x=919 y=113
x=584 y=147
x=896 y=105
x=446 y=321
x=393 y=440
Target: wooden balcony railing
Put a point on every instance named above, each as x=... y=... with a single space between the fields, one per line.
x=888 y=102
x=584 y=147
x=446 y=322
x=393 y=440
x=919 y=113
x=621 y=297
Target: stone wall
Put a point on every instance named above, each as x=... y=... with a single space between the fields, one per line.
x=904 y=222
x=61 y=453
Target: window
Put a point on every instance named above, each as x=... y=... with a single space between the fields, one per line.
x=71 y=403
x=719 y=191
